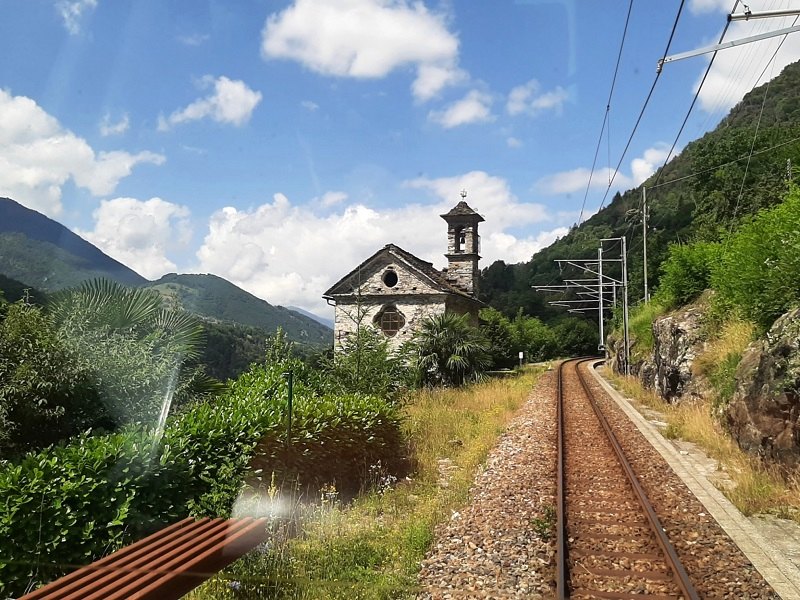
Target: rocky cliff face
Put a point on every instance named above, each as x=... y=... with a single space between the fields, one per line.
x=763 y=415
x=678 y=342
x=668 y=368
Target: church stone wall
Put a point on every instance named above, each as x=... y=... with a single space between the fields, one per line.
x=414 y=309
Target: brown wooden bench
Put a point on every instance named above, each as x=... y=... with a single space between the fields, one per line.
x=163 y=566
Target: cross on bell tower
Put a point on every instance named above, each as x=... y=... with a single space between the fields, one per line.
x=463 y=246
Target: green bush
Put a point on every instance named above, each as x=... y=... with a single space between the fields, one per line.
x=640 y=326
x=72 y=504
x=686 y=272
x=759 y=270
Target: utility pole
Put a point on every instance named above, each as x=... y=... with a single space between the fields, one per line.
x=602 y=345
x=625 y=306
x=644 y=244
x=789 y=171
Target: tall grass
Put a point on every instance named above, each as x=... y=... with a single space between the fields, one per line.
x=641 y=327
x=372 y=547
x=721 y=357
x=755 y=488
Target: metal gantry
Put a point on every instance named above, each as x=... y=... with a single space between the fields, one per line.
x=595 y=293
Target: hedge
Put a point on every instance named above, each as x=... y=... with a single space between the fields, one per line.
x=70 y=505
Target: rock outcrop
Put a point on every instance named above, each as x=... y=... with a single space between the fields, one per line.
x=678 y=342
x=763 y=414
x=668 y=368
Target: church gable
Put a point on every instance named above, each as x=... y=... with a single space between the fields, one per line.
x=391 y=272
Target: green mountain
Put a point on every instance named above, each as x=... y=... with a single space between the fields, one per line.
x=217 y=299
x=42 y=253
x=714 y=184
x=37 y=252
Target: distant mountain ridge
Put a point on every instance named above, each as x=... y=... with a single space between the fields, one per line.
x=43 y=253
x=39 y=252
x=218 y=299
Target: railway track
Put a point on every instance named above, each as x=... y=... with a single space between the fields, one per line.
x=610 y=543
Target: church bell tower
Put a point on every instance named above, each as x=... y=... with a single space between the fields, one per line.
x=463 y=246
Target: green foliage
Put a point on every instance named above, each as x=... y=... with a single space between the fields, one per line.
x=141 y=355
x=534 y=338
x=219 y=300
x=723 y=377
x=364 y=365
x=640 y=325
x=447 y=350
x=576 y=337
x=47 y=387
x=686 y=272
x=760 y=264
x=70 y=505
x=499 y=334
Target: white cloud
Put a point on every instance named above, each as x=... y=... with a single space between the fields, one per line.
x=569 y=182
x=432 y=79
x=194 y=39
x=736 y=70
x=646 y=165
x=108 y=128
x=513 y=142
x=329 y=199
x=290 y=254
x=140 y=233
x=530 y=100
x=72 y=13
x=309 y=105
x=706 y=6
x=475 y=107
x=366 y=39
x=231 y=102
x=38 y=156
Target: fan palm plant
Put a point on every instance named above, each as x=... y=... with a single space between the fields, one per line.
x=447 y=350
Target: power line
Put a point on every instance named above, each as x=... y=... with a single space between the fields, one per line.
x=644 y=106
x=694 y=100
x=608 y=109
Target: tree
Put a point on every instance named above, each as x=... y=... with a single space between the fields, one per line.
x=499 y=334
x=447 y=350
x=47 y=390
x=364 y=364
x=142 y=356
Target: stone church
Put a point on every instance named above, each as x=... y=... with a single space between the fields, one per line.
x=394 y=291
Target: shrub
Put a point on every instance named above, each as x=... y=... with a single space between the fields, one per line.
x=448 y=351
x=686 y=273
x=760 y=267
x=70 y=505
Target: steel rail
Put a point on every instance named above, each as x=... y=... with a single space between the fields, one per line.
x=671 y=557
x=561 y=521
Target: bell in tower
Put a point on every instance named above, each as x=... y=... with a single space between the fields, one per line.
x=463 y=246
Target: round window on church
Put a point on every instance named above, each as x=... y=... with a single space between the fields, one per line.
x=389 y=320
x=390 y=278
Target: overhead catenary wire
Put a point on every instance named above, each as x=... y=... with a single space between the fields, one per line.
x=644 y=106
x=606 y=114
x=752 y=152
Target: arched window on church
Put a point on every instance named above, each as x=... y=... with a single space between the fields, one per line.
x=389 y=320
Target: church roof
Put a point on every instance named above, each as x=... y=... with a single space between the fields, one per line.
x=462 y=209
x=423 y=268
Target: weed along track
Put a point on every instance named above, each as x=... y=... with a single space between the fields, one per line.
x=610 y=543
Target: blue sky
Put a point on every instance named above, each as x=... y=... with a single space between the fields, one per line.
x=278 y=143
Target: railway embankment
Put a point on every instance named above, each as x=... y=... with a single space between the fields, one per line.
x=751 y=383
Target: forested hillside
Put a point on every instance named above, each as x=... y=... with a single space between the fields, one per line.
x=714 y=184
x=41 y=252
x=218 y=299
